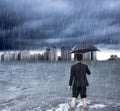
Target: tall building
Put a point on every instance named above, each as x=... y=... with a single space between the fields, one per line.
x=2 y=57
x=65 y=55
x=6 y=56
x=93 y=55
x=19 y=56
x=46 y=54
x=51 y=54
x=16 y=55
x=87 y=56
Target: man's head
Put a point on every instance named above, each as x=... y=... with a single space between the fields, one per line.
x=79 y=57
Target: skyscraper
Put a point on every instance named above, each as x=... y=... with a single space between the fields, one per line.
x=51 y=54
x=65 y=55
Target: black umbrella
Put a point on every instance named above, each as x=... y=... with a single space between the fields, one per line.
x=83 y=48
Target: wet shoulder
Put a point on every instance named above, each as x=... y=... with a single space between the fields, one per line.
x=73 y=66
x=79 y=64
x=82 y=64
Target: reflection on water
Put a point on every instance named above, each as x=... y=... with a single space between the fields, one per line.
x=29 y=86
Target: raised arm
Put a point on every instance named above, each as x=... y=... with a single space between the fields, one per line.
x=87 y=70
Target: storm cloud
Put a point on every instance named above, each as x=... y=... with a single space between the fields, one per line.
x=33 y=24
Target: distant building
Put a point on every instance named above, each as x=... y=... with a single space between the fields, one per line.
x=35 y=57
x=24 y=55
x=6 y=56
x=51 y=54
x=11 y=56
x=16 y=55
x=93 y=55
x=19 y=56
x=2 y=57
x=65 y=55
x=31 y=57
x=89 y=55
x=46 y=54
x=41 y=57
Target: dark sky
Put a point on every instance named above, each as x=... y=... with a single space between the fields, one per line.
x=33 y=24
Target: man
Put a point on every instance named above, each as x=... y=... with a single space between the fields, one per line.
x=78 y=81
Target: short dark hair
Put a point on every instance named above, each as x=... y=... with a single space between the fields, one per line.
x=79 y=57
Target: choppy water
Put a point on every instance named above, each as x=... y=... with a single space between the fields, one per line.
x=42 y=86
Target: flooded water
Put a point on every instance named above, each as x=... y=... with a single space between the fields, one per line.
x=43 y=86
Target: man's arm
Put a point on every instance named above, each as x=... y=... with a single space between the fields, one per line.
x=71 y=76
x=87 y=70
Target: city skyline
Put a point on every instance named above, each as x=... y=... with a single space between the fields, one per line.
x=52 y=53
x=49 y=54
x=103 y=54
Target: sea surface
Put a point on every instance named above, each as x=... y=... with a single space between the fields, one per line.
x=43 y=86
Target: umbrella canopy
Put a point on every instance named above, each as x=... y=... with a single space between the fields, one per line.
x=83 y=48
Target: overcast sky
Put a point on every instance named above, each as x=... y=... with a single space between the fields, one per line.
x=33 y=24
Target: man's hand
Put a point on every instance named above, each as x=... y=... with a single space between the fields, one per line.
x=69 y=88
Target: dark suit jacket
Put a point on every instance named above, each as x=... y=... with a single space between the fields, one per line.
x=78 y=75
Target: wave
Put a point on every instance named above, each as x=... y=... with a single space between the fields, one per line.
x=92 y=105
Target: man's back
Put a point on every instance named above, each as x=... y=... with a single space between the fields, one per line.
x=78 y=73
